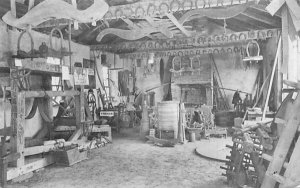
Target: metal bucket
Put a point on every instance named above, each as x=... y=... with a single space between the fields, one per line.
x=168 y=116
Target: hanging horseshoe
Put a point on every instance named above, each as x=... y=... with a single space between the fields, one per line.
x=20 y=53
x=233 y=37
x=248 y=45
x=180 y=53
x=236 y=49
x=151 y=5
x=243 y=36
x=229 y=50
x=270 y=33
x=119 y=13
x=216 y=51
x=139 y=11
x=162 y=11
x=203 y=6
x=61 y=40
x=172 y=5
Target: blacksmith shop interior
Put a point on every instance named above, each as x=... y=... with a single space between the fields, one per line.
x=149 y=93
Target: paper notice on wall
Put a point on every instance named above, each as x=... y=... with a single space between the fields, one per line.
x=18 y=63
x=65 y=73
x=81 y=76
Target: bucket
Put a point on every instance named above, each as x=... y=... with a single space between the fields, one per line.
x=192 y=136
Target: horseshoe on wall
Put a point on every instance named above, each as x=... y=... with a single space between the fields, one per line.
x=221 y=13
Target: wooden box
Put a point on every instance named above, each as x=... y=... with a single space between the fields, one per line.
x=69 y=156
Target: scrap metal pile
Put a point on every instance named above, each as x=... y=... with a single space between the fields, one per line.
x=265 y=154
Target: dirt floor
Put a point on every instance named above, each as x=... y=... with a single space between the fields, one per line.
x=132 y=163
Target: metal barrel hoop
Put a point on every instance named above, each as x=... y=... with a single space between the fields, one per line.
x=61 y=38
x=31 y=40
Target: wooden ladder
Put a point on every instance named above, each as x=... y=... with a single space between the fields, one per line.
x=291 y=176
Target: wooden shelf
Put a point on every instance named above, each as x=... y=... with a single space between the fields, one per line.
x=40 y=65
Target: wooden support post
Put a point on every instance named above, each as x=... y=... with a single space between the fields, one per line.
x=283 y=144
x=259 y=168
x=212 y=87
x=15 y=172
x=17 y=124
x=47 y=103
x=285 y=39
x=292 y=178
x=178 y=25
x=13 y=9
x=272 y=77
x=79 y=114
x=3 y=165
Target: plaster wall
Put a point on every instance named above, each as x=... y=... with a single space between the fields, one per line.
x=235 y=74
x=8 y=46
x=232 y=70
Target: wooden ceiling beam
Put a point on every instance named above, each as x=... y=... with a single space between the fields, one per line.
x=188 y=42
x=179 y=25
x=262 y=8
x=229 y=26
x=30 y=4
x=246 y=22
x=154 y=8
x=266 y=19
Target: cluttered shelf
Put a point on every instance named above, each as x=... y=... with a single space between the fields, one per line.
x=38 y=65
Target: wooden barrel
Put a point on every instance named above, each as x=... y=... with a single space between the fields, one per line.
x=168 y=116
x=225 y=118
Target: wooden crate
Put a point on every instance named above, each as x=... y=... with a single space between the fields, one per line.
x=69 y=156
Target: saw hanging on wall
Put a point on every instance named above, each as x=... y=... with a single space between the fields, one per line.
x=58 y=9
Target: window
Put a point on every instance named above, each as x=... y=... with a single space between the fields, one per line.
x=105 y=73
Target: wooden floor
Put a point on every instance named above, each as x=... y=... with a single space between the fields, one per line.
x=131 y=162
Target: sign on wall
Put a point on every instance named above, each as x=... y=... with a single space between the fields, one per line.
x=81 y=76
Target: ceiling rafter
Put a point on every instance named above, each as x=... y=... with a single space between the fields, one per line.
x=262 y=8
x=244 y=21
x=268 y=20
x=229 y=26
